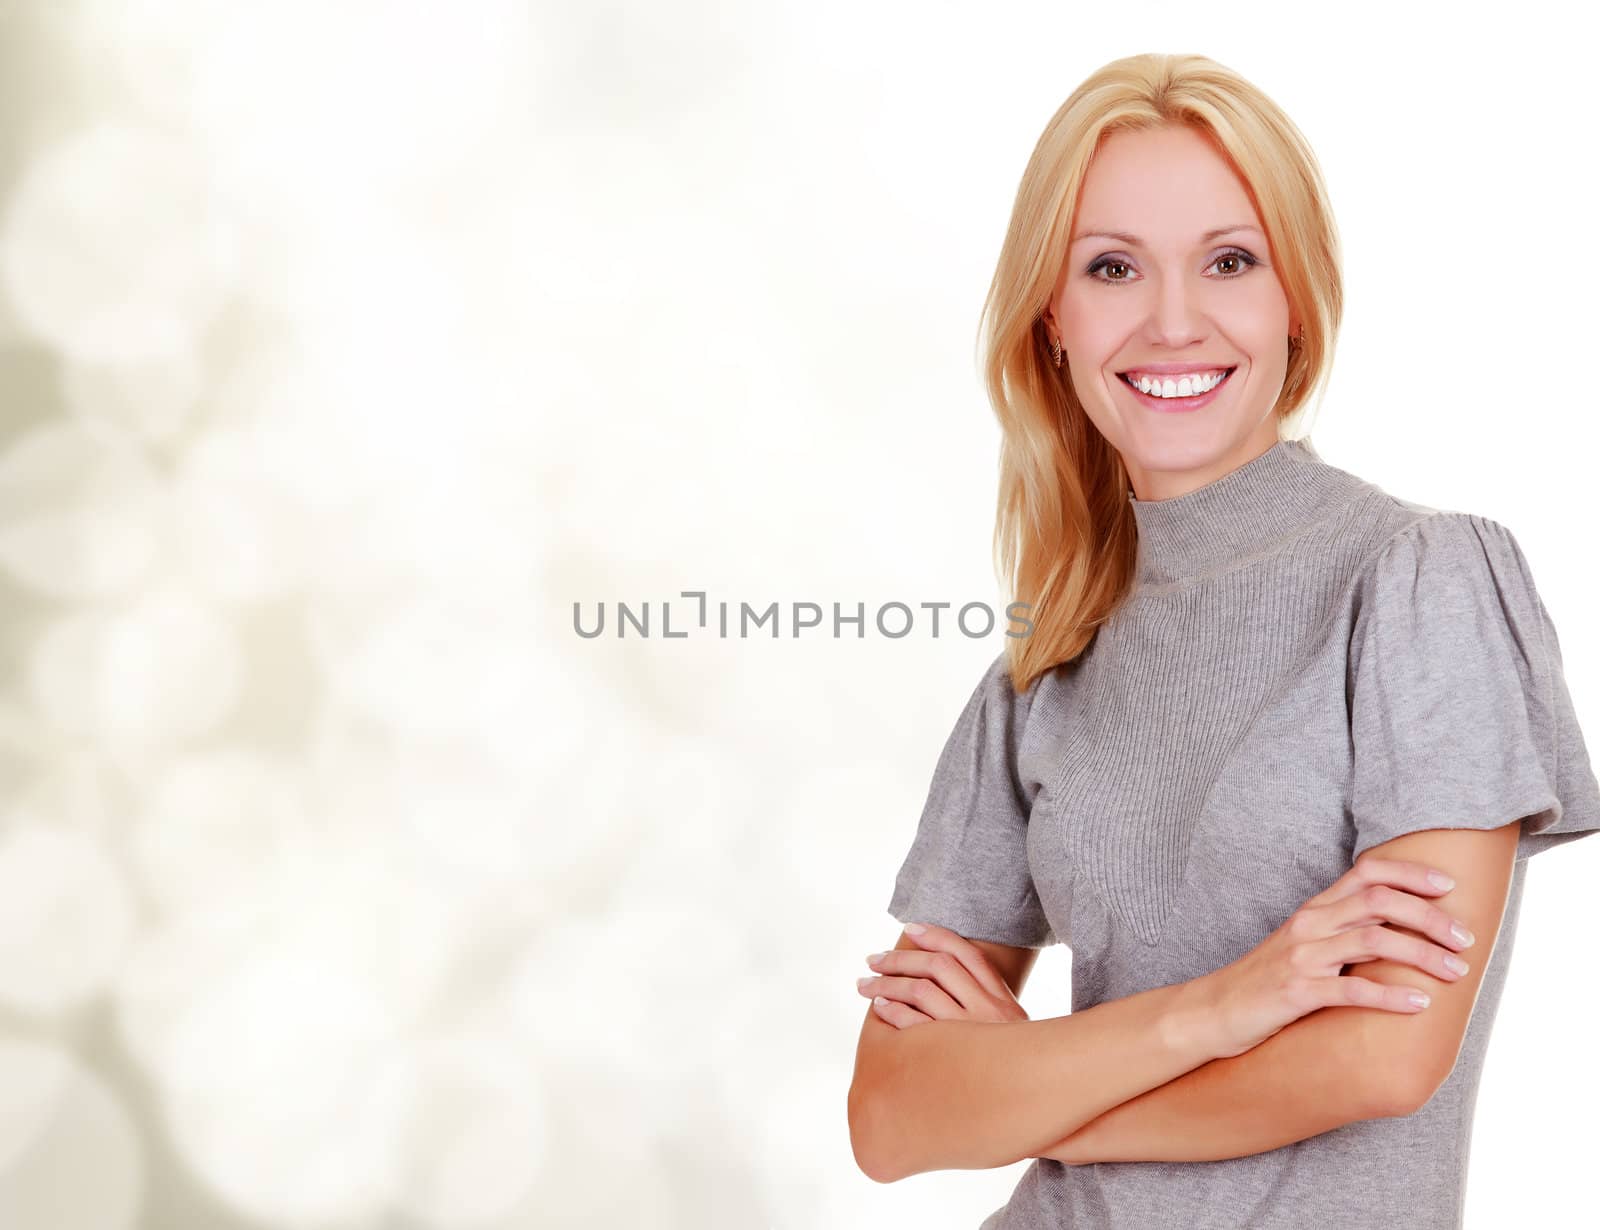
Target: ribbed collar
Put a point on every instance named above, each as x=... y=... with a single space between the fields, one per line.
x=1268 y=499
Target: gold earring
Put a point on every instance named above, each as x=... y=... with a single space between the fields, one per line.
x=1055 y=350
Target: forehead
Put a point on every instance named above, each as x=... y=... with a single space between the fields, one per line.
x=1167 y=185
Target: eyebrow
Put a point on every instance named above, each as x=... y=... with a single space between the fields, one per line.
x=1135 y=241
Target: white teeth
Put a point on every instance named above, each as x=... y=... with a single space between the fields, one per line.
x=1184 y=386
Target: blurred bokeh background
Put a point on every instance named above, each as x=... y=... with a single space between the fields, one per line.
x=345 y=347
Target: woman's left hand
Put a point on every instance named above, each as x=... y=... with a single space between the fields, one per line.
x=945 y=978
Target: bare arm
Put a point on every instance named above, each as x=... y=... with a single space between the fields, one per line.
x=969 y=1095
x=1315 y=1074
x=1333 y=1066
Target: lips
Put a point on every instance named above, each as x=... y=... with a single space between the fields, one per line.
x=1175 y=376
x=1180 y=405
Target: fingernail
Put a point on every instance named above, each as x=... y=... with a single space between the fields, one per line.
x=915 y=928
x=1463 y=936
x=1440 y=880
x=861 y=983
x=1419 y=998
x=874 y=957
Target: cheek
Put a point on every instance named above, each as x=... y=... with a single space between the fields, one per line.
x=1090 y=326
x=1264 y=317
x=1269 y=341
x=1092 y=383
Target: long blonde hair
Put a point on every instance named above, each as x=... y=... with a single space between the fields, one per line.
x=1065 y=538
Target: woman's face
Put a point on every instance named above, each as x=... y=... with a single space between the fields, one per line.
x=1184 y=284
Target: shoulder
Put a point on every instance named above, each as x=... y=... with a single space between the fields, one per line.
x=1451 y=548
x=1369 y=534
x=1024 y=727
x=1377 y=530
x=1041 y=702
x=1446 y=592
x=1442 y=582
x=1385 y=540
x=994 y=702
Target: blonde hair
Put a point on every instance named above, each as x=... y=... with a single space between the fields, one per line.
x=1065 y=538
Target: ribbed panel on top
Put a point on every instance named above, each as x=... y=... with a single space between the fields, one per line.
x=1182 y=671
x=1176 y=682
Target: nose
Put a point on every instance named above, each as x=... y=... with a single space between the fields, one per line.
x=1175 y=315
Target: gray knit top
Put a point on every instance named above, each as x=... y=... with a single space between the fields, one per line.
x=1307 y=666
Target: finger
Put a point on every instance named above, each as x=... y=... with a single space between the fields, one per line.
x=1378 y=942
x=919 y=993
x=1367 y=871
x=943 y=968
x=942 y=939
x=897 y=1014
x=1381 y=903
x=1353 y=992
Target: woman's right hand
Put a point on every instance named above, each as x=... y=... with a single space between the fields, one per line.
x=1296 y=969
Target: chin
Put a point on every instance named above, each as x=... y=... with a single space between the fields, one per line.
x=1191 y=442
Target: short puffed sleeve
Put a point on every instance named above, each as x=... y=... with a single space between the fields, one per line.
x=1460 y=715
x=967 y=868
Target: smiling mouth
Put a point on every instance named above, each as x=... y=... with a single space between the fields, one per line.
x=1226 y=373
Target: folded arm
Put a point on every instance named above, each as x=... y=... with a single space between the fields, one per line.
x=1333 y=1066
x=1315 y=1074
x=969 y=1095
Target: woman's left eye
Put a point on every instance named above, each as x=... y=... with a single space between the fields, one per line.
x=1237 y=254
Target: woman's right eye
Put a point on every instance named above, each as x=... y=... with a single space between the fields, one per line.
x=1107 y=262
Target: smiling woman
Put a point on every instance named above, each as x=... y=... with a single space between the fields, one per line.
x=1264 y=704
x=1145 y=309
